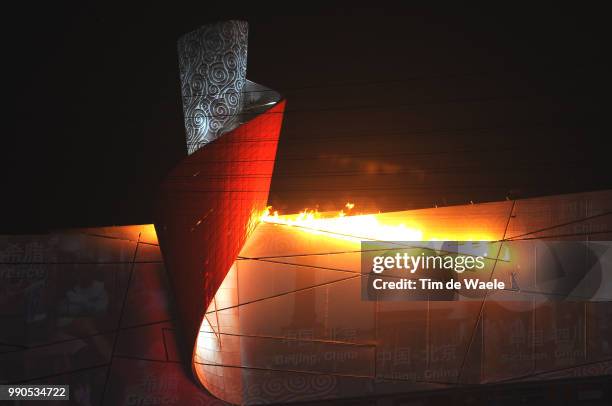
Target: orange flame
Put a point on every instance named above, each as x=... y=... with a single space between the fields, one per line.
x=360 y=227
x=339 y=225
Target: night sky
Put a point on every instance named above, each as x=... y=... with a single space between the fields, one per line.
x=391 y=109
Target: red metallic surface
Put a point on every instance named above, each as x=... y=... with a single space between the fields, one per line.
x=206 y=209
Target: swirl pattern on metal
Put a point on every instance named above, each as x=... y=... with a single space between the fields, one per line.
x=212 y=65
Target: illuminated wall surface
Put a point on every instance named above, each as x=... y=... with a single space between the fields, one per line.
x=278 y=317
x=273 y=312
x=288 y=322
x=92 y=308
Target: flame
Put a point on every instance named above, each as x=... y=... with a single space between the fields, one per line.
x=361 y=227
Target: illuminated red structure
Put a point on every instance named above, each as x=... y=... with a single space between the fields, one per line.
x=244 y=308
x=208 y=206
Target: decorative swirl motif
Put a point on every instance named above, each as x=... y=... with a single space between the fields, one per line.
x=215 y=125
x=273 y=388
x=200 y=120
x=291 y=388
x=198 y=84
x=298 y=384
x=212 y=63
x=213 y=90
x=218 y=75
x=219 y=108
x=323 y=383
x=230 y=61
x=231 y=99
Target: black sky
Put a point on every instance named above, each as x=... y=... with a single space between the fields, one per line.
x=392 y=109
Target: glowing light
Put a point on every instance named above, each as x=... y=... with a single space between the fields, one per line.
x=362 y=227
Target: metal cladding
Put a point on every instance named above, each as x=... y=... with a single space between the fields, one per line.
x=288 y=323
x=211 y=201
x=206 y=208
x=279 y=317
x=212 y=63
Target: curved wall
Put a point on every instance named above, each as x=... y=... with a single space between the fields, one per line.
x=212 y=200
x=207 y=207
